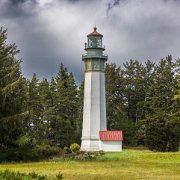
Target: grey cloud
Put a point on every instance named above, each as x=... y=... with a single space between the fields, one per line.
x=17 y=8
x=54 y=31
x=112 y=4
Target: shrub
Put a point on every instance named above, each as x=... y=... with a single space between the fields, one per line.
x=66 y=150
x=74 y=147
x=26 y=153
x=20 y=176
x=10 y=175
x=47 y=150
x=19 y=154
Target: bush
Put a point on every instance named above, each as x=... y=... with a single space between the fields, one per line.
x=19 y=154
x=47 y=150
x=20 y=176
x=26 y=153
x=74 y=148
x=66 y=150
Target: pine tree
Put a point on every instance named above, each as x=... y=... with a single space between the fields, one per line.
x=159 y=106
x=66 y=109
x=115 y=109
x=46 y=104
x=34 y=108
x=12 y=93
x=147 y=77
x=80 y=112
x=148 y=73
x=134 y=88
x=115 y=104
x=174 y=120
x=177 y=72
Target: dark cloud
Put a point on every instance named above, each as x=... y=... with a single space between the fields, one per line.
x=112 y=4
x=51 y=32
x=17 y=8
x=16 y=2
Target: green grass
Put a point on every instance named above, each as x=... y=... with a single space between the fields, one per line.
x=130 y=164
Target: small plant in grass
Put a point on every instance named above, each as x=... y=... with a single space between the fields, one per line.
x=4 y=175
x=33 y=175
x=59 y=175
x=74 y=148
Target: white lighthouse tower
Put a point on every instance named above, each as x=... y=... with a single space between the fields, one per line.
x=95 y=136
x=94 y=112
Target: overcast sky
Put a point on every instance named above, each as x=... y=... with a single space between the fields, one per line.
x=51 y=32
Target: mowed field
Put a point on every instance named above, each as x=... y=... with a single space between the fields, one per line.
x=130 y=164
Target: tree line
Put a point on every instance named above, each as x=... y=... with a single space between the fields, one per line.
x=142 y=99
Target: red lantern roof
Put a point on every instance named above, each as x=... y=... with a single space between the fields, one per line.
x=95 y=33
x=111 y=135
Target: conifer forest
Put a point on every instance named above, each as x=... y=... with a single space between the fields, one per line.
x=142 y=99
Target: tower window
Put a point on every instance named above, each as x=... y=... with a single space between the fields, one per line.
x=99 y=43
x=90 y=43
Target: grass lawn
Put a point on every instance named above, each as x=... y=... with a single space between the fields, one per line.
x=130 y=164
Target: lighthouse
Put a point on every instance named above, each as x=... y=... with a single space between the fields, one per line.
x=94 y=128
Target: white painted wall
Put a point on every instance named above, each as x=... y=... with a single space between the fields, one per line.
x=103 y=123
x=111 y=146
x=94 y=112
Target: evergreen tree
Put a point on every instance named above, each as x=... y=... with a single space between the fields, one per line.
x=63 y=127
x=174 y=119
x=80 y=112
x=159 y=104
x=12 y=93
x=134 y=88
x=117 y=118
x=115 y=108
x=34 y=108
x=148 y=74
x=177 y=72
x=147 y=77
x=46 y=104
